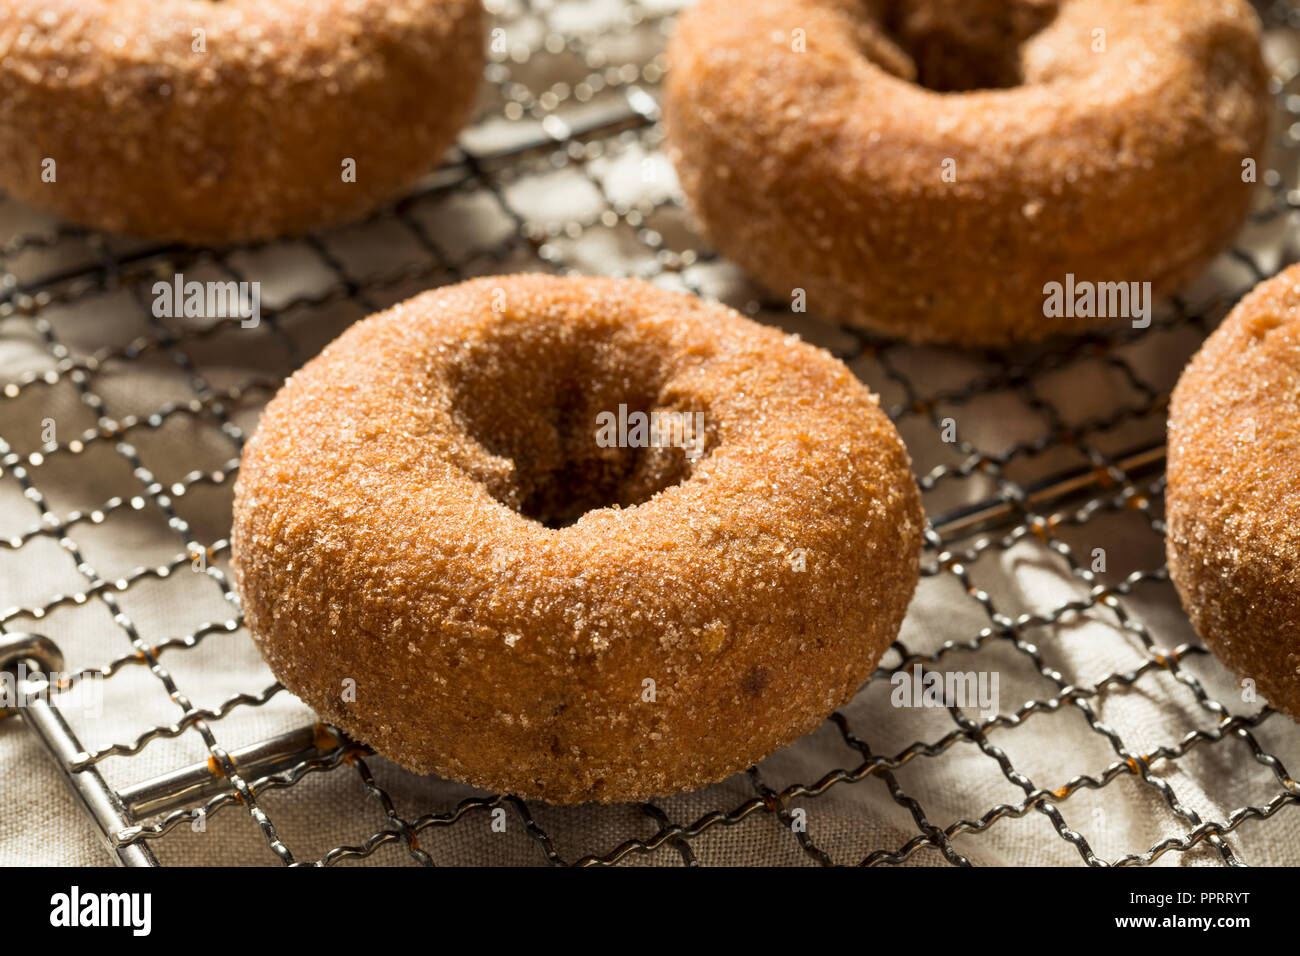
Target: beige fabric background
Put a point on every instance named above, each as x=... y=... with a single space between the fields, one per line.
x=604 y=208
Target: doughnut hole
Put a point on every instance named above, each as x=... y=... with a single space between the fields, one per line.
x=534 y=401
x=953 y=46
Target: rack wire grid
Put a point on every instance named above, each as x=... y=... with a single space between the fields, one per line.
x=1036 y=465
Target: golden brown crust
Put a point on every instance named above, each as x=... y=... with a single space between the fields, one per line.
x=377 y=536
x=824 y=170
x=243 y=139
x=1234 y=490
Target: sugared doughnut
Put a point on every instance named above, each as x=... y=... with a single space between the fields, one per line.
x=213 y=122
x=927 y=168
x=1233 y=500
x=437 y=509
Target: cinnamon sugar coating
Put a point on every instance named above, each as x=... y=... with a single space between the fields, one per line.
x=405 y=517
x=1234 y=490
x=214 y=122
x=923 y=168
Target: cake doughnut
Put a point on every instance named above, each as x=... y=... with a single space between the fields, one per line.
x=218 y=122
x=436 y=509
x=926 y=169
x=1233 y=500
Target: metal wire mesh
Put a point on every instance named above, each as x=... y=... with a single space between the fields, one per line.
x=563 y=170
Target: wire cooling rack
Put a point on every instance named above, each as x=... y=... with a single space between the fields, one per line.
x=1119 y=739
